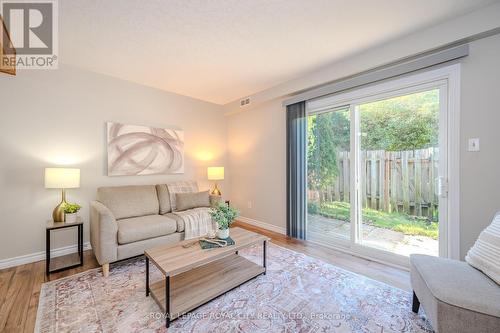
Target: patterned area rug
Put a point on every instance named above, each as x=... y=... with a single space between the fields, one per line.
x=298 y=294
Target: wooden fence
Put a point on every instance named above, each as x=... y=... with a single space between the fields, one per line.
x=401 y=181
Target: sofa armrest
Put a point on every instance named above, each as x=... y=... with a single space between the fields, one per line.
x=103 y=233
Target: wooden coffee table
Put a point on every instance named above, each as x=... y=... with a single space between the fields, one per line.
x=194 y=276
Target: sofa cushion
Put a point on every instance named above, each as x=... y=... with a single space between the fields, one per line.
x=163 y=198
x=177 y=219
x=138 y=248
x=187 y=186
x=186 y=201
x=485 y=254
x=129 y=201
x=144 y=227
x=457 y=283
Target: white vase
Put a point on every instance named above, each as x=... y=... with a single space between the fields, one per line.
x=70 y=218
x=223 y=233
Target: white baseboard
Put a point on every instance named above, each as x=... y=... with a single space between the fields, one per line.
x=37 y=256
x=260 y=224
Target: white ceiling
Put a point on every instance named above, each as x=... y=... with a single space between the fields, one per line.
x=221 y=50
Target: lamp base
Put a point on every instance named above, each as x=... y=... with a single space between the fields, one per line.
x=58 y=212
x=216 y=191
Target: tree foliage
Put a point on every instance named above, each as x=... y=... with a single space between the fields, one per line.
x=402 y=123
x=327 y=133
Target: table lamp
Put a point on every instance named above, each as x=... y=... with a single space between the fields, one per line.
x=215 y=173
x=62 y=178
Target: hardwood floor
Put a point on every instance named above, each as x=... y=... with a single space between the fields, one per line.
x=20 y=286
x=391 y=275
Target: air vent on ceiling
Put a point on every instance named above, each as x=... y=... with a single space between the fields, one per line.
x=244 y=102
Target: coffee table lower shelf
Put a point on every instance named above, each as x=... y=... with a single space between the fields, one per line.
x=198 y=286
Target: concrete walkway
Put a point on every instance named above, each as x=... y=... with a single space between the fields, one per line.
x=323 y=229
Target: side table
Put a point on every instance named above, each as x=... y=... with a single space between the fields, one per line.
x=51 y=225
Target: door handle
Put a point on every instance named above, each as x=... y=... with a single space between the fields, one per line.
x=441 y=187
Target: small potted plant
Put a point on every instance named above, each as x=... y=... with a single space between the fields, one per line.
x=71 y=212
x=224 y=216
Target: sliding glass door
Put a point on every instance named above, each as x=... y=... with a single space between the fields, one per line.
x=398 y=162
x=376 y=165
x=328 y=180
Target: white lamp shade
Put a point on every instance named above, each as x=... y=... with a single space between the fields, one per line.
x=215 y=173
x=62 y=178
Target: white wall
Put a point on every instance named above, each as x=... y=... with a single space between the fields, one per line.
x=53 y=118
x=256 y=147
x=480 y=118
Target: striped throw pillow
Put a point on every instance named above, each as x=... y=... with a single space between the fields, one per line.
x=485 y=254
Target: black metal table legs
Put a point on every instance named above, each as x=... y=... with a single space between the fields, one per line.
x=47 y=248
x=80 y=242
x=167 y=293
x=47 y=252
x=167 y=301
x=147 y=276
x=168 y=316
x=264 y=246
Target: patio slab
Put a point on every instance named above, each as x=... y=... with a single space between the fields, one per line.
x=324 y=230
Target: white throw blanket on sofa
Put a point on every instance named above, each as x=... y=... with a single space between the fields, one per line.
x=197 y=222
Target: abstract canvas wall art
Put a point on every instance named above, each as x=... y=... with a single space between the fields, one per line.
x=142 y=150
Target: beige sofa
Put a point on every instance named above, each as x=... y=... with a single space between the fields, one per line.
x=126 y=220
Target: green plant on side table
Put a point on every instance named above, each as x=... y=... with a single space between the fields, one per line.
x=71 y=212
x=224 y=216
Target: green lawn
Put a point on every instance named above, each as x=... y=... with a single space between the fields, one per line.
x=408 y=225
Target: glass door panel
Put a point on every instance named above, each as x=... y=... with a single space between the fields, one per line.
x=328 y=176
x=398 y=163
